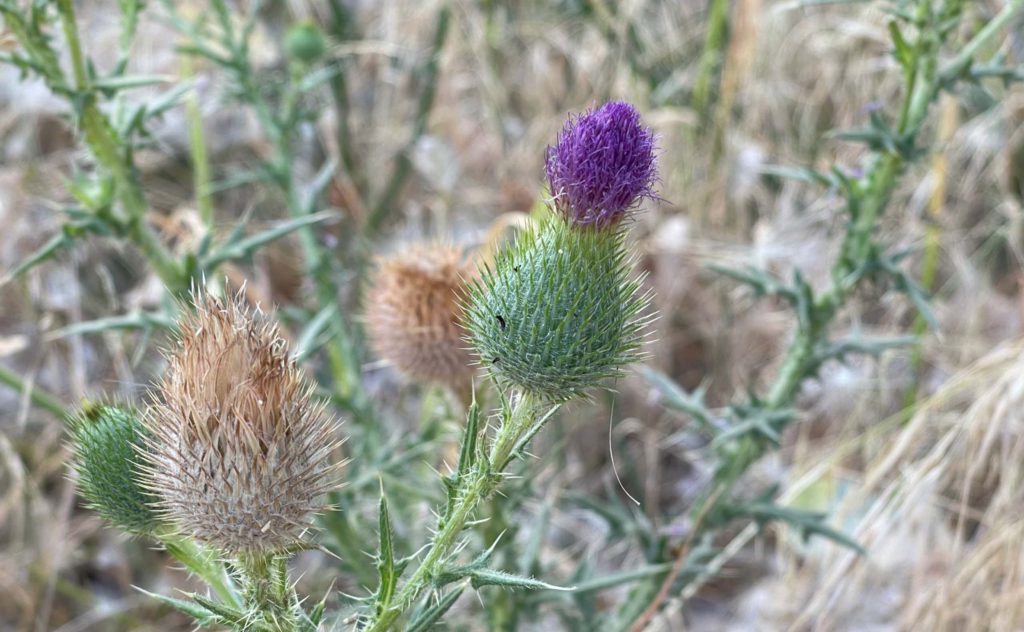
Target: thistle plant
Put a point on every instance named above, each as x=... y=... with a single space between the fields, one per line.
x=230 y=464
x=555 y=316
x=747 y=430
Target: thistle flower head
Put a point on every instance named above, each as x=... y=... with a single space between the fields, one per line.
x=557 y=313
x=413 y=317
x=105 y=440
x=239 y=454
x=602 y=165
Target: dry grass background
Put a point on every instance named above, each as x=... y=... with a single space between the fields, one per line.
x=937 y=499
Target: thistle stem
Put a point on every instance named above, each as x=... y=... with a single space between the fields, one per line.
x=37 y=396
x=108 y=152
x=480 y=483
x=204 y=565
x=267 y=591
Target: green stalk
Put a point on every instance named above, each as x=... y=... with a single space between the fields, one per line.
x=198 y=152
x=267 y=592
x=37 y=396
x=710 y=63
x=481 y=482
x=204 y=565
x=106 y=148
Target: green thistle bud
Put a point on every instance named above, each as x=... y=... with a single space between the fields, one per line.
x=305 y=42
x=106 y=441
x=557 y=314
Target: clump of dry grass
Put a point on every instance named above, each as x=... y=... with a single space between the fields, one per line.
x=937 y=504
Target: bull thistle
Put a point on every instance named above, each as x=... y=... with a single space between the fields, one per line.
x=413 y=317
x=556 y=314
x=239 y=453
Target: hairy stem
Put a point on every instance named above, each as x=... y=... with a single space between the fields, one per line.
x=480 y=483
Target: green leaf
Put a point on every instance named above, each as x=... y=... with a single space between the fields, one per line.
x=425 y=618
x=760 y=281
x=674 y=397
x=202 y=616
x=131 y=81
x=136 y=320
x=902 y=50
x=47 y=251
x=306 y=344
x=806 y=523
x=385 y=558
x=245 y=247
x=480 y=577
x=230 y=615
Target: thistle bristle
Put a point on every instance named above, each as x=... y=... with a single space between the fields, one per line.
x=413 y=318
x=240 y=453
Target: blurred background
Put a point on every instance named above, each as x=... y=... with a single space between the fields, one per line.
x=455 y=152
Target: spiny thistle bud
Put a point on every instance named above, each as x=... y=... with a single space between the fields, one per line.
x=558 y=312
x=413 y=317
x=240 y=454
x=602 y=165
x=106 y=441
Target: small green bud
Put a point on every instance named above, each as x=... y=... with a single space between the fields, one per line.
x=305 y=42
x=557 y=314
x=105 y=440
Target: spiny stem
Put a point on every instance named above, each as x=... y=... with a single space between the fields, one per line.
x=204 y=565
x=481 y=482
x=267 y=591
x=107 y=149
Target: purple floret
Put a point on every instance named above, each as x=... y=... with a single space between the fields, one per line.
x=602 y=165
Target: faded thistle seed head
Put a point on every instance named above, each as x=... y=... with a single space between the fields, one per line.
x=413 y=316
x=240 y=454
x=559 y=311
x=602 y=165
x=106 y=441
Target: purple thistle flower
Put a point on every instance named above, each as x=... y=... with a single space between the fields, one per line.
x=602 y=165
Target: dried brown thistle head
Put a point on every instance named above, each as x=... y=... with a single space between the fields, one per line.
x=240 y=455
x=413 y=315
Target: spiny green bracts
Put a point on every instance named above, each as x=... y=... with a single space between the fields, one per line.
x=558 y=312
x=106 y=441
